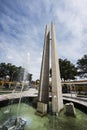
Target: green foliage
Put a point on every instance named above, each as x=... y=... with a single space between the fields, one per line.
x=67 y=69
x=82 y=66
x=15 y=73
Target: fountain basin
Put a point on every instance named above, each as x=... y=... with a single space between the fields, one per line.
x=49 y=122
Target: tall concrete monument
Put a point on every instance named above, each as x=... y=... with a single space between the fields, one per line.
x=57 y=101
x=43 y=97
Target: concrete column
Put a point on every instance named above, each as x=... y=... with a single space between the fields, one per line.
x=57 y=101
x=44 y=75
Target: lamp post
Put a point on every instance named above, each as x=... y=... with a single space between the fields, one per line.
x=7 y=77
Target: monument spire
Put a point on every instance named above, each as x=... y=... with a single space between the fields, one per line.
x=43 y=97
x=44 y=75
x=57 y=101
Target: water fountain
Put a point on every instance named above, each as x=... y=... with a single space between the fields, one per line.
x=15 y=119
x=8 y=110
x=14 y=122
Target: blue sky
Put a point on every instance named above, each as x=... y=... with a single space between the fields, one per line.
x=22 y=27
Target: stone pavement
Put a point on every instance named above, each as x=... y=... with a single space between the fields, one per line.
x=32 y=92
x=73 y=98
x=29 y=93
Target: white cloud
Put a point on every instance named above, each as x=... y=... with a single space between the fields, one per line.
x=22 y=37
x=72 y=17
x=9 y=57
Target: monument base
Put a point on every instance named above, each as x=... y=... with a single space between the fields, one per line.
x=70 y=109
x=41 y=109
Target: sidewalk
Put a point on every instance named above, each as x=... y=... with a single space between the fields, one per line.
x=73 y=98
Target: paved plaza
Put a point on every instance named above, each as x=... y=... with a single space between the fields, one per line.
x=32 y=92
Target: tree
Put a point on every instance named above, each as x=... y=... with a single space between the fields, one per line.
x=82 y=66
x=12 y=71
x=67 y=69
x=3 y=70
x=15 y=73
